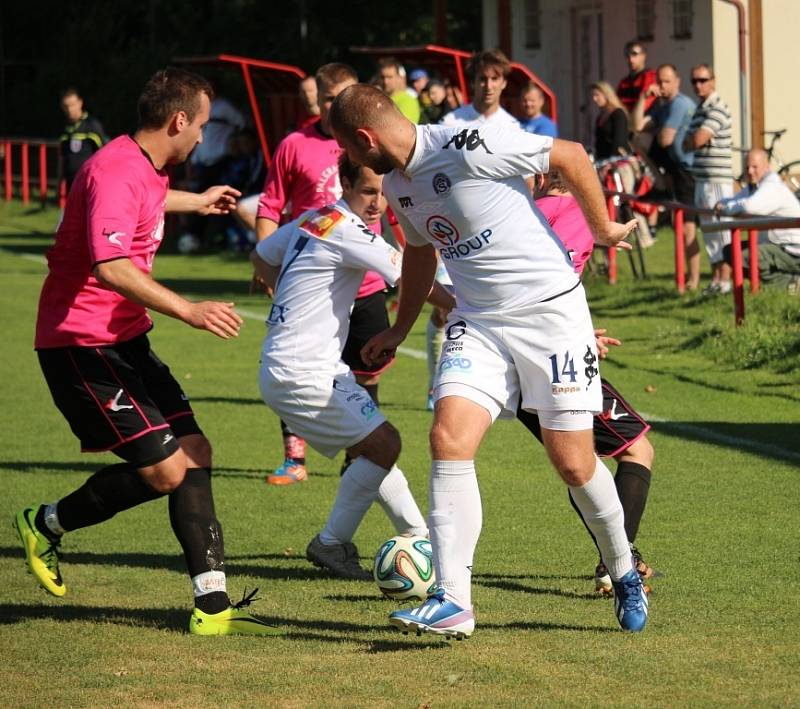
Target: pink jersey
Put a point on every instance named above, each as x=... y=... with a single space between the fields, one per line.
x=305 y=175
x=115 y=210
x=564 y=214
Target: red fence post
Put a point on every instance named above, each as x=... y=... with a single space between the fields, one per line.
x=8 y=176
x=26 y=174
x=43 y=173
x=612 y=251
x=62 y=194
x=755 y=279
x=738 y=275
x=680 y=253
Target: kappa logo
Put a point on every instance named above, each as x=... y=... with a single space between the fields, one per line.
x=113 y=236
x=591 y=371
x=469 y=139
x=406 y=202
x=443 y=230
x=441 y=183
x=114 y=405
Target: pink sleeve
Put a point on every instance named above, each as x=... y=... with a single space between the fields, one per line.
x=112 y=213
x=277 y=185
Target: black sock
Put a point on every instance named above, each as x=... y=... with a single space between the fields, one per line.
x=633 y=484
x=580 y=514
x=41 y=525
x=110 y=490
x=191 y=513
x=287 y=433
x=372 y=390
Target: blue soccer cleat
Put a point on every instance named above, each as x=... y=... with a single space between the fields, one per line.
x=437 y=615
x=630 y=602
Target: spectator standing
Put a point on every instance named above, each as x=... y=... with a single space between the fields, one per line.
x=437 y=105
x=208 y=157
x=488 y=71
x=768 y=195
x=709 y=138
x=309 y=102
x=668 y=122
x=639 y=78
x=83 y=135
x=532 y=100
x=393 y=83
x=419 y=81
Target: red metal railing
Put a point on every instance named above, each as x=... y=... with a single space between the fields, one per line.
x=16 y=151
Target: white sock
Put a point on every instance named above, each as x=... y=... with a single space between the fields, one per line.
x=433 y=345
x=51 y=519
x=399 y=504
x=358 y=489
x=209 y=582
x=599 y=504
x=455 y=522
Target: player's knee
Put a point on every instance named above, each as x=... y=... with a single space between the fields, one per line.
x=167 y=475
x=641 y=452
x=197 y=449
x=445 y=442
x=575 y=470
x=389 y=443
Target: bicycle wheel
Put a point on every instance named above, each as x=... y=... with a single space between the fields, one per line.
x=790 y=174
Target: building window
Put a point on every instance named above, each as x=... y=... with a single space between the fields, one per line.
x=533 y=25
x=645 y=20
x=682 y=17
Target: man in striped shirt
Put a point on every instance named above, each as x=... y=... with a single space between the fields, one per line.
x=709 y=137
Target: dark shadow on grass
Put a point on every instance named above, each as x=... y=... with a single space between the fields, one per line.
x=228 y=400
x=534 y=577
x=355 y=597
x=23 y=466
x=524 y=625
x=176 y=563
x=208 y=286
x=536 y=590
x=379 y=647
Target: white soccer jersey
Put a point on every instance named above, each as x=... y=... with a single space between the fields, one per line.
x=323 y=255
x=467 y=115
x=462 y=191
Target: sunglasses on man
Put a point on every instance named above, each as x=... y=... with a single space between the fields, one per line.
x=701 y=79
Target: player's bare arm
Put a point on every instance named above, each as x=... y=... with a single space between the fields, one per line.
x=418 y=271
x=220 y=199
x=571 y=160
x=122 y=276
x=265 y=227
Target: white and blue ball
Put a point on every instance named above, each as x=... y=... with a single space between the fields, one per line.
x=404 y=568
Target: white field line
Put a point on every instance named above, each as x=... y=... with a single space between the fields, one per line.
x=696 y=431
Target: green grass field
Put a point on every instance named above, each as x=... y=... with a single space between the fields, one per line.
x=722 y=526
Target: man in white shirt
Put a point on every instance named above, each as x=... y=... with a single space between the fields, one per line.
x=768 y=195
x=489 y=72
x=520 y=333
x=316 y=264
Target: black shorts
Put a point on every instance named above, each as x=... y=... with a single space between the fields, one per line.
x=682 y=186
x=615 y=430
x=369 y=317
x=120 y=398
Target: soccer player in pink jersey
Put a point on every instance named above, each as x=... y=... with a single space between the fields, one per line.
x=620 y=432
x=305 y=175
x=91 y=340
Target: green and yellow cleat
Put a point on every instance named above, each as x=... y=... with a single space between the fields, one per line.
x=232 y=621
x=41 y=555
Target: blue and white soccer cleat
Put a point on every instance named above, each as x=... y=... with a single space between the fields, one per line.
x=437 y=615
x=630 y=602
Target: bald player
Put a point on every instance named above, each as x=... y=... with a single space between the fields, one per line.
x=520 y=334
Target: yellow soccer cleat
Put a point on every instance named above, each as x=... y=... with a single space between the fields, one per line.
x=232 y=621
x=41 y=554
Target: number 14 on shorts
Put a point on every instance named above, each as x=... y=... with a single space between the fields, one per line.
x=567 y=370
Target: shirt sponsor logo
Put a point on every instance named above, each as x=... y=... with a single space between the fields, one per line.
x=277 y=314
x=462 y=363
x=321 y=223
x=469 y=139
x=456 y=330
x=368 y=409
x=113 y=236
x=443 y=230
x=406 y=202
x=441 y=183
x=474 y=243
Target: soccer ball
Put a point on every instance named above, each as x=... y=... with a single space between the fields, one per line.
x=188 y=244
x=404 y=568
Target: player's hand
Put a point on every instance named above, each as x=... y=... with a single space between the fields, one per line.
x=259 y=285
x=615 y=234
x=220 y=199
x=218 y=318
x=382 y=347
x=603 y=342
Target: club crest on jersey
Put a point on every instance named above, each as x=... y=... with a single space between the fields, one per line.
x=320 y=224
x=443 y=230
x=441 y=183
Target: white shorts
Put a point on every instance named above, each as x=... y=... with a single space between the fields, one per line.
x=331 y=412
x=543 y=357
x=707 y=194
